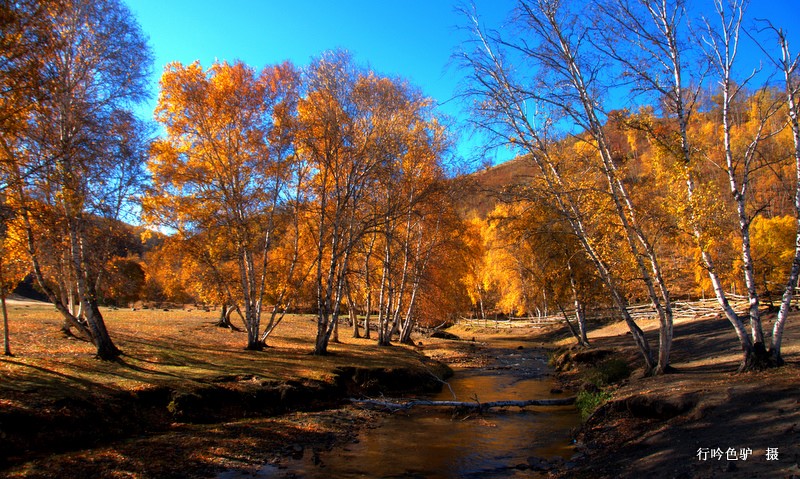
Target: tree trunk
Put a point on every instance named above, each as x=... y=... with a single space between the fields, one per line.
x=747 y=362
x=335 y=334
x=106 y=349
x=354 y=320
x=225 y=317
x=368 y=286
x=789 y=65
x=786 y=301
x=6 y=341
x=580 y=315
x=254 y=342
x=352 y=313
x=367 y=317
x=575 y=333
x=384 y=299
x=480 y=303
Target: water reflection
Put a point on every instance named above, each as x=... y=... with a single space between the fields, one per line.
x=439 y=444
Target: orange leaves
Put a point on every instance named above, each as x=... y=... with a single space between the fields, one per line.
x=223 y=171
x=220 y=137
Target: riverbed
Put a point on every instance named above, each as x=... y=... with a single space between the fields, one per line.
x=442 y=443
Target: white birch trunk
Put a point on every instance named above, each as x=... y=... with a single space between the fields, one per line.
x=789 y=66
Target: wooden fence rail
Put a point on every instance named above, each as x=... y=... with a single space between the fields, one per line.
x=680 y=310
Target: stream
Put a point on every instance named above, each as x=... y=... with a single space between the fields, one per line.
x=438 y=443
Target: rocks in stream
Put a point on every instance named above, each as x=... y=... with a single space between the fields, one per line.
x=540 y=464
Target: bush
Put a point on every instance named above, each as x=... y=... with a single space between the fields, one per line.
x=588 y=401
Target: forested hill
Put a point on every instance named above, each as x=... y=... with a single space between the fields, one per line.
x=123 y=248
x=483 y=188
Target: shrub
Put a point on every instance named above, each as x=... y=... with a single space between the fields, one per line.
x=588 y=401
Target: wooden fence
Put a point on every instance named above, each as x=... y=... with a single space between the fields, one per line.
x=680 y=310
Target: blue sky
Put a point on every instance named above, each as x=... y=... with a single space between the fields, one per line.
x=413 y=39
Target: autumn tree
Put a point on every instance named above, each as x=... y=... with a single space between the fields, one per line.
x=223 y=168
x=373 y=147
x=406 y=198
x=79 y=154
x=788 y=65
x=475 y=277
x=335 y=139
x=565 y=90
x=443 y=299
x=537 y=263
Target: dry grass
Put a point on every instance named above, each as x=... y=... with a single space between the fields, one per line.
x=168 y=348
x=53 y=378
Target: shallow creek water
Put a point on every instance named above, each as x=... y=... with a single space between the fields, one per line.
x=435 y=443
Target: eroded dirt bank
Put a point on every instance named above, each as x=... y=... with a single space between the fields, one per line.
x=162 y=432
x=185 y=399
x=705 y=420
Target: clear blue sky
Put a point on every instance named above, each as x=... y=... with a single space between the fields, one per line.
x=410 y=38
x=413 y=39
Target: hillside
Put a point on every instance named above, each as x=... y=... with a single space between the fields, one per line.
x=483 y=189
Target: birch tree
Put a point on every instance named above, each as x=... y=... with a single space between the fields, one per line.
x=566 y=92
x=334 y=138
x=789 y=64
x=722 y=44
x=79 y=153
x=649 y=41
x=373 y=146
x=223 y=168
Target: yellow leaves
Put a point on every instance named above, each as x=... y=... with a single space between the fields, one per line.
x=585 y=148
x=773 y=245
x=710 y=131
x=13 y=255
x=146 y=235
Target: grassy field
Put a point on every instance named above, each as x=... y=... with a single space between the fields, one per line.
x=169 y=348
x=61 y=409
x=648 y=426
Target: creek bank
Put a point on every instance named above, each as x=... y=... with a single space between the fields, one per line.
x=451 y=438
x=49 y=426
x=660 y=426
